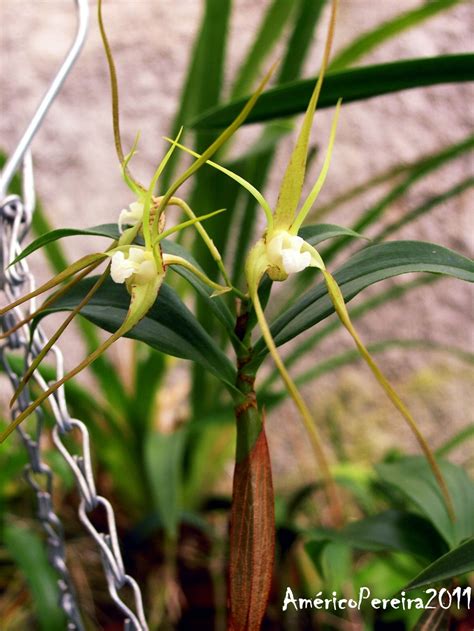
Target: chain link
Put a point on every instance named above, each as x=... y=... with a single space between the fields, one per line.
x=15 y=220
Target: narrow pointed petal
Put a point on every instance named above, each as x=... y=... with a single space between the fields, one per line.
x=50 y=300
x=54 y=338
x=130 y=180
x=214 y=252
x=186 y=224
x=79 y=265
x=171 y=259
x=316 y=260
x=143 y=297
x=341 y=310
x=220 y=140
x=292 y=183
x=237 y=178
x=302 y=214
x=255 y=269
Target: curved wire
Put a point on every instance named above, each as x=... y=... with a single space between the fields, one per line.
x=12 y=164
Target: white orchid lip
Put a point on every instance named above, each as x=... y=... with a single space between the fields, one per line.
x=136 y=265
x=286 y=252
x=131 y=215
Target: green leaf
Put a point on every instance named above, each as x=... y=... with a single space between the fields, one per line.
x=28 y=552
x=332 y=558
x=163 y=460
x=420 y=170
x=363 y=307
x=422 y=209
x=369 y=266
x=353 y=356
x=323 y=231
x=452 y=443
x=102 y=369
x=350 y=85
x=203 y=83
x=451 y=565
x=267 y=37
x=413 y=478
x=371 y=39
x=169 y=326
x=111 y=231
x=300 y=39
x=392 y=530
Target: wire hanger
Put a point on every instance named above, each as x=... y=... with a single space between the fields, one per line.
x=12 y=164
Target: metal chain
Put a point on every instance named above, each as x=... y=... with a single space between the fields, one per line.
x=15 y=220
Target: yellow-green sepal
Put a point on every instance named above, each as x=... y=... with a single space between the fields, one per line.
x=292 y=183
x=339 y=305
x=316 y=260
x=172 y=259
x=255 y=266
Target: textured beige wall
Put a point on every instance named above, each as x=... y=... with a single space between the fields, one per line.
x=77 y=173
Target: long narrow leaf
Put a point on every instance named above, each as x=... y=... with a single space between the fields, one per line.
x=424 y=208
x=351 y=357
x=267 y=36
x=451 y=565
x=371 y=39
x=369 y=266
x=168 y=326
x=203 y=83
x=432 y=163
x=27 y=550
x=412 y=477
x=350 y=85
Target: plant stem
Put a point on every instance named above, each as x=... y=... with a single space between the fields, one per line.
x=252 y=532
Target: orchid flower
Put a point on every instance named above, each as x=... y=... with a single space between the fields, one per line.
x=140 y=268
x=280 y=252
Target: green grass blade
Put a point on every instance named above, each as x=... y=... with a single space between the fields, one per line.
x=149 y=366
x=353 y=356
x=267 y=37
x=367 y=306
x=163 y=462
x=203 y=83
x=381 y=33
x=300 y=40
x=369 y=266
x=458 y=439
x=423 y=209
x=425 y=167
x=453 y=564
x=28 y=552
x=350 y=85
